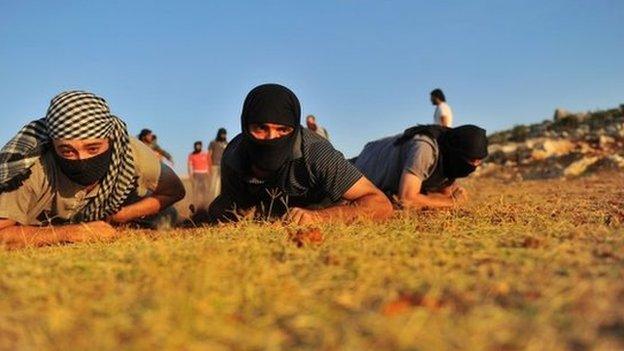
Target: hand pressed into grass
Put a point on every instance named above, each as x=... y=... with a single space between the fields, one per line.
x=460 y=194
x=303 y=217
x=17 y=236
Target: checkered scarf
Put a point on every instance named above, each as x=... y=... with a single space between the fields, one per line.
x=74 y=115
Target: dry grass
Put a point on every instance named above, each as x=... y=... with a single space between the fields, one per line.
x=534 y=265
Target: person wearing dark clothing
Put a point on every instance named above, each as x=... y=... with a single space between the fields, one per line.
x=215 y=151
x=420 y=166
x=280 y=169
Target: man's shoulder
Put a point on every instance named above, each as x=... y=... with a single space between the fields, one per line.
x=311 y=138
x=314 y=144
x=139 y=148
x=422 y=138
x=232 y=154
x=42 y=171
x=424 y=143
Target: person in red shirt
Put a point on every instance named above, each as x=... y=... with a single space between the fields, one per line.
x=199 y=173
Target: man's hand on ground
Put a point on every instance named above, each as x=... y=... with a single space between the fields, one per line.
x=16 y=236
x=302 y=217
x=99 y=230
x=460 y=194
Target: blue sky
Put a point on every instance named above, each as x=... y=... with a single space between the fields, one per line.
x=364 y=68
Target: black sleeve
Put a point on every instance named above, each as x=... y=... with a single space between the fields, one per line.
x=333 y=173
x=233 y=197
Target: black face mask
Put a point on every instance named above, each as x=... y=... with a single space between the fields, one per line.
x=88 y=171
x=460 y=145
x=270 y=103
x=270 y=155
x=457 y=167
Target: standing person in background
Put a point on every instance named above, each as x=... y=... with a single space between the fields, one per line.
x=443 y=114
x=313 y=126
x=215 y=151
x=149 y=138
x=160 y=151
x=146 y=136
x=199 y=172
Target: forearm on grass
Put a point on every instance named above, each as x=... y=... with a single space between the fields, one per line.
x=432 y=200
x=145 y=207
x=169 y=191
x=371 y=206
x=17 y=236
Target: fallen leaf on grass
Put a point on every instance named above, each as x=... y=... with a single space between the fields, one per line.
x=304 y=237
x=406 y=301
x=531 y=242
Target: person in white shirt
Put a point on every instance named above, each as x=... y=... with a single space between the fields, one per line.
x=443 y=114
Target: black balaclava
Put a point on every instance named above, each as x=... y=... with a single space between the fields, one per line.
x=270 y=103
x=86 y=171
x=221 y=135
x=461 y=145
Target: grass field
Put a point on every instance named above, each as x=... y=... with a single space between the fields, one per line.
x=533 y=265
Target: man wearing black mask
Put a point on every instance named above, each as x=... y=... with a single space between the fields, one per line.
x=419 y=167
x=78 y=169
x=280 y=169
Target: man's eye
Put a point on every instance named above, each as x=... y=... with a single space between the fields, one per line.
x=93 y=150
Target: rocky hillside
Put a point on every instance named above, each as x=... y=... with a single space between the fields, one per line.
x=569 y=145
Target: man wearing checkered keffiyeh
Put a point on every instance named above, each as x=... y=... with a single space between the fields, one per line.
x=111 y=172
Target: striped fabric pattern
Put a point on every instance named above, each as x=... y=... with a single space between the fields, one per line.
x=317 y=176
x=74 y=115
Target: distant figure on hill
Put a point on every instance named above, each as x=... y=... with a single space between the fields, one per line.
x=77 y=174
x=443 y=115
x=315 y=127
x=280 y=169
x=160 y=151
x=215 y=150
x=199 y=173
x=420 y=166
x=150 y=139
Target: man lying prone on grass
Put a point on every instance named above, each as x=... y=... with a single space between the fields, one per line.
x=419 y=167
x=65 y=177
x=281 y=169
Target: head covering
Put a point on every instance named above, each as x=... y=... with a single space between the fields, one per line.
x=468 y=141
x=458 y=146
x=461 y=146
x=74 y=115
x=270 y=103
x=221 y=135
